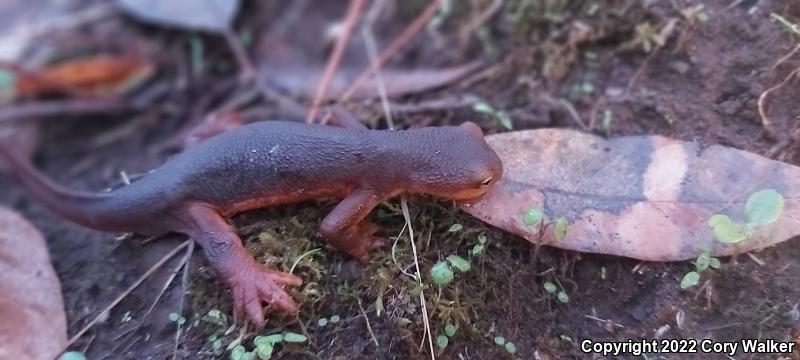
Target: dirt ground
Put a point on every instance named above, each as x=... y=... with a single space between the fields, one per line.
x=605 y=58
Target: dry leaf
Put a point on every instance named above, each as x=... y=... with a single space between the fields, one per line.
x=644 y=197
x=299 y=82
x=206 y=15
x=94 y=75
x=33 y=324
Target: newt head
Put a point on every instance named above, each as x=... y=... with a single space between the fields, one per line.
x=458 y=165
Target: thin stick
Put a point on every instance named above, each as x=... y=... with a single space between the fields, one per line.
x=762 y=99
x=566 y=105
x=398 y=43
x=484 y=16
x=372 y=52
x=171 y=278
x=127 y=292
x=369 y=327
x=185 y=285
x=53 y=108
x=425 y=320
x=353 y=12
x=249 y=73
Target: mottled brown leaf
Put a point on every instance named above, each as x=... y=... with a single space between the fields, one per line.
x=644 y=197
x=33 y=324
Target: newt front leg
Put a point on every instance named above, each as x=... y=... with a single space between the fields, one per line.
x=346 y=229
x=251 y=283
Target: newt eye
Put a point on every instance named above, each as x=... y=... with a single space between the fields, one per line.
x=486 y=182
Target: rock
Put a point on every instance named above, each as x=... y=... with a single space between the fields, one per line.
x=33 y=324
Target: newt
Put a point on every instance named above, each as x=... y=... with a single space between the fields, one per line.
x=271 y=163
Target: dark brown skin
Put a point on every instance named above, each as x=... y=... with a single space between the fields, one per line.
x=272 y=163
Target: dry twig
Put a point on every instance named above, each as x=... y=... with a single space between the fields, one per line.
x=353 y=12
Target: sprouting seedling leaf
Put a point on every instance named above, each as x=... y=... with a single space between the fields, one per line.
x=455 y=228
x=205 y=15
x=335 y=319
x=459 y=263
x=714 y=263
x=483 y=107
x=702 y=262
x=292 y=337
x=550 y=287
x=725 y=230
x=763 y=207
x=449 y=330
x=477 y=249
x=499 y=340
x=510 y=347
x=441 y=273
x=177 y=318
x=562 y=297
x=533 y=216
x=8 y=85
x=268 y=339
x=505 y=120
x=690 y=279
x=442 y=341
x=264 y=352
x=238 y=352
x=72 y=355
x=560 y=228
x=322 y=322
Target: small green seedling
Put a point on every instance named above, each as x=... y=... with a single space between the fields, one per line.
x=177 y=318
x=703 y=262
x=72 y=355
x=500 y=116
x=455 y=228
x=533 y=216
x=477 y=249
x=459 y=263
x=441 y=273
x=508 y=345
x=560 y=228
x=265 y=346
x=444 y=339
x=608 y=118
x=450 y=330
x=215 y=316
x=762 y=208
x=551 y=288
x=323 y=322
x=126 y=317
x=216 y=343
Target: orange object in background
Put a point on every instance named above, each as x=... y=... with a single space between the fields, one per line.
x=88 y=76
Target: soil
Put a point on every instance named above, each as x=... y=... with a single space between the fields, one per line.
x=702 y=85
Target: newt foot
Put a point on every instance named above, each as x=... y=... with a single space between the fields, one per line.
x=367 y=241
x=255 y=284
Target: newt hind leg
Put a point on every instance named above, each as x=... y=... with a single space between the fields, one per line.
x=251 y=283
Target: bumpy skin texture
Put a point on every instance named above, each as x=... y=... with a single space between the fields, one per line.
x=272 y=163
